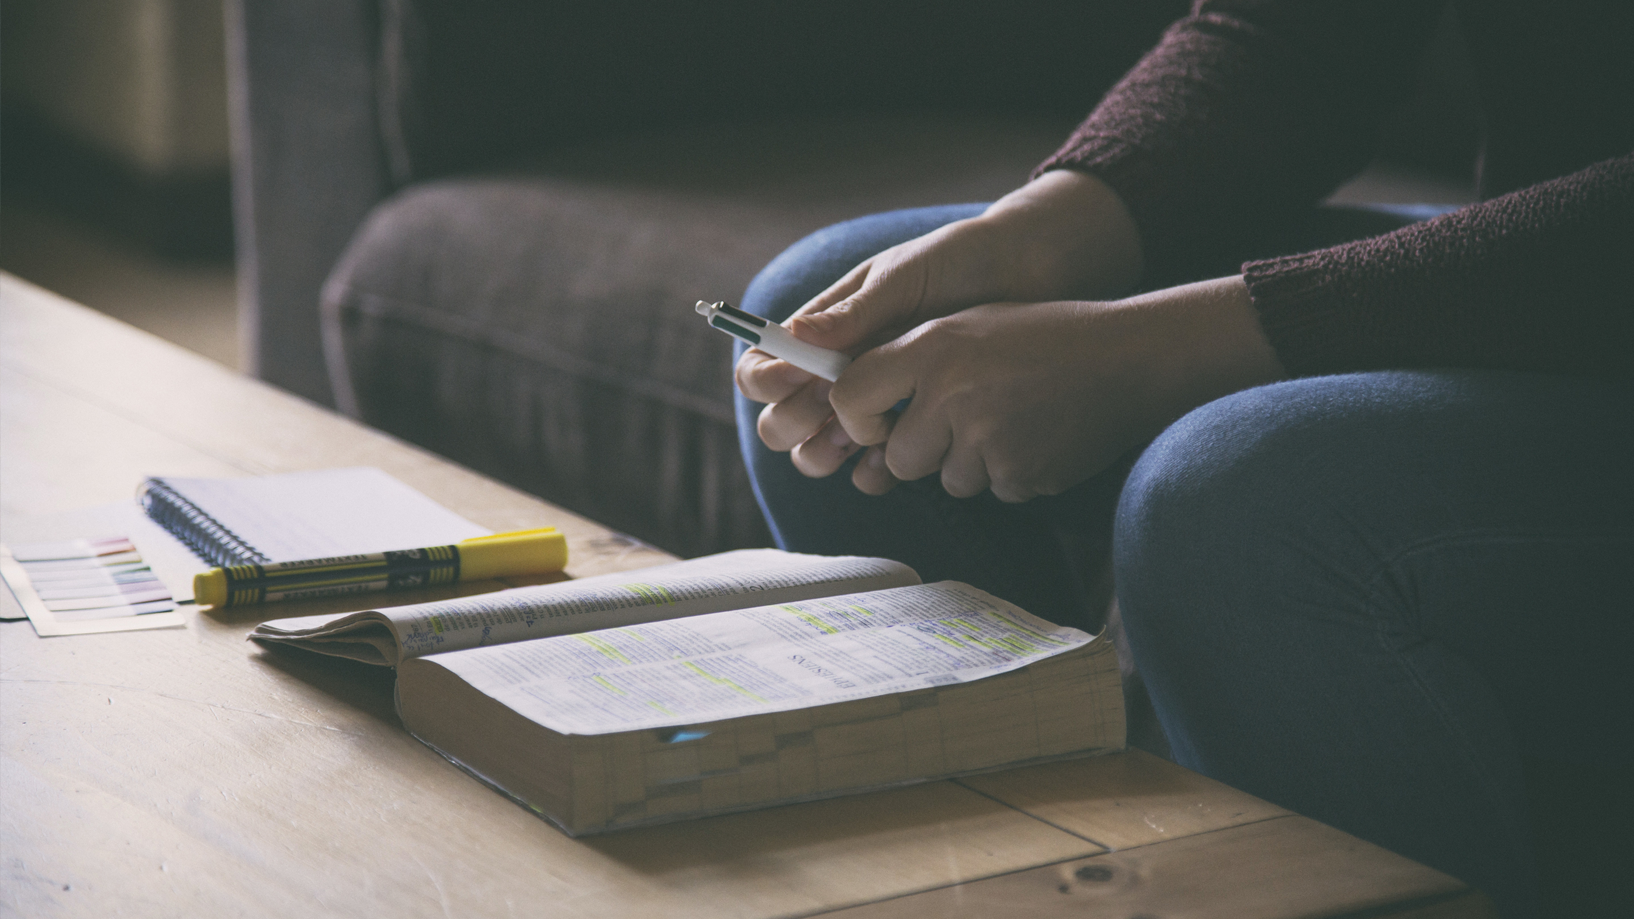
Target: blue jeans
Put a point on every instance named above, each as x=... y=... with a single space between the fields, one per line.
x=1361 y=597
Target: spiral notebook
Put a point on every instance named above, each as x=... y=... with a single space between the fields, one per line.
x=299 y=515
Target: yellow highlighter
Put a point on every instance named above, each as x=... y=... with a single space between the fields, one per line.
x=524 y=552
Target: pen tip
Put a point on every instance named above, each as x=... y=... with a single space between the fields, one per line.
x=702 y=308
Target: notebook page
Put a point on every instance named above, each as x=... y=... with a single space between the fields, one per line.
x=325 y=512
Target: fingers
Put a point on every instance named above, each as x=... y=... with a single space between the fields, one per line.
x=763 y=378
x=1012 y=492
x=964 y=473
x=824 y=452
x=918 y=443
x=871 y=475
x=874 y=383
x=805 y=427
x=788 y=423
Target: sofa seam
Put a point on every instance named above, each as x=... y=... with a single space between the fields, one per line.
x=391 y=309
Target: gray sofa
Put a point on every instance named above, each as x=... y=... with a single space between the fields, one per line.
x=481 y=225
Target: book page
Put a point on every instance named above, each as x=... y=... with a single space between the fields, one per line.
x=704 y=585
x=765 y=659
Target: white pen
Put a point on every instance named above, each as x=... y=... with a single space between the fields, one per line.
x=774 y=340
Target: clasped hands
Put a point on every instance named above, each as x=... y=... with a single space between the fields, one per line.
x=1010 y=388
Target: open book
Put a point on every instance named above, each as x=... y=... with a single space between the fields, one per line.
x=730 y=682
x=730 y=580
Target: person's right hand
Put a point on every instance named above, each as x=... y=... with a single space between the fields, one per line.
x=1065 y=234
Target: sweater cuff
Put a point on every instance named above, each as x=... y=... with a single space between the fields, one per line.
x=1130 y=173
x=1298 y=299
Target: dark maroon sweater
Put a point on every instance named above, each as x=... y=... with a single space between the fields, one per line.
x=1249 y=112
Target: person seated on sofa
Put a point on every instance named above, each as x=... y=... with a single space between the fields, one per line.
x=1373 y=546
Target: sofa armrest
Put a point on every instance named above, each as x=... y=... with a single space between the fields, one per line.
x=307 y=168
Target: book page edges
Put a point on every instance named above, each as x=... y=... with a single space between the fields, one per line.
x=640 y=778
x=751 y=806
x=368 y=637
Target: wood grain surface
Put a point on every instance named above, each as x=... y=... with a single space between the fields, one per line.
x=1153 y=799
x=1284 y=867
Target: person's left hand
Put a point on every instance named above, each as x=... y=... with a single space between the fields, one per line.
x=1031 y=399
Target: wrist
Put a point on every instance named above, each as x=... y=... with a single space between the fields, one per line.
x=1064 y=235
x=1212 y=344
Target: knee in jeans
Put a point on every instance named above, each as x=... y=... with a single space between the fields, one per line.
x=1194 y=477
x=1221 y=488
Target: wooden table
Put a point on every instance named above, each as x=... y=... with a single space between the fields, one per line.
x=186 y=772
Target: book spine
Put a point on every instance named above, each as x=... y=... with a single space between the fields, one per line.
x=202 y=533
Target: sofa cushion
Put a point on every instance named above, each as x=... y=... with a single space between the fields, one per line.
x=537 y=325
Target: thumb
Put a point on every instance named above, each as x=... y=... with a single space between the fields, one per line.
x=840 y=326
x=874 y=313
x=877 y=296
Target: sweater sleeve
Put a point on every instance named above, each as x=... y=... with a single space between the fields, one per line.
x=1251 y=111
x=1247 y=111
x=1538 y=279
